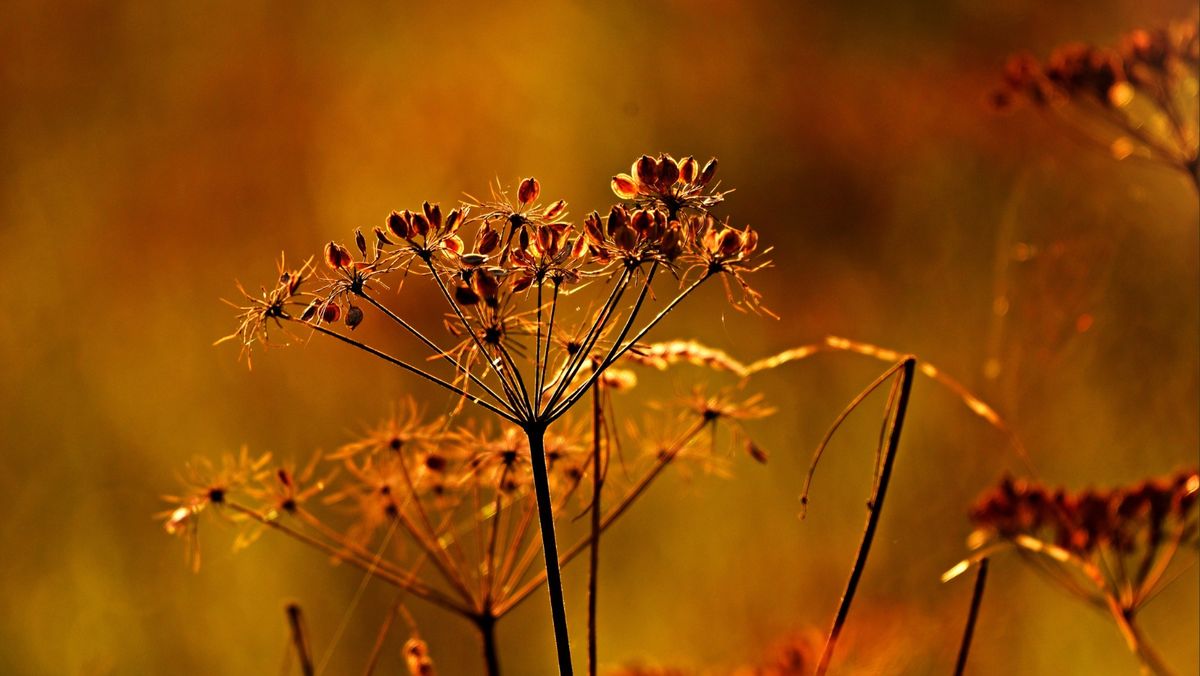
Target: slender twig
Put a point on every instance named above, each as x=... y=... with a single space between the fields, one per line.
x=972 y=615
x=874 y=509
x=500 y=373
x=300 y=639
x=837 y=423
x=439 y=352
x=408 y=583
x=381 y=636
x=594 y=563
x=412 y=369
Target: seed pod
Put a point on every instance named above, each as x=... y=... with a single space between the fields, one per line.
x=453 y=244
x=381 y=238
x=336 y=256
x=398 y=224
x=689 y=169
x=488 y=241
x=555 y=210
x=330 y=313
x=593 y=229
x=672 y=244
x=528 y=191
x=547 y=241
x=625 y=238
x=485 y=284
x=310 y=311
x=433 y=212
x=641 y=221
x=354 y=317
x=617 y=218
x=522 y=283
x=465 y=295
x=646 y=170
x=710 y=169
x=759 y=455
x=579 y=247
x=473 y=260
x=668 y=171
x=360 y=241
x=624 y=187
x=420 y=225
x=453 y=220
x=730 y=242
x=749 y=241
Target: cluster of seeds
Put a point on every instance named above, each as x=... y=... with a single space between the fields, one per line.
x=1138 y=98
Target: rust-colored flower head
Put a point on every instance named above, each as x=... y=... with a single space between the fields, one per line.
x=1134 y=99
x=667 y=184
x=1147 y=523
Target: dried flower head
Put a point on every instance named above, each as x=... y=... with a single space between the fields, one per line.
x=1136 y=99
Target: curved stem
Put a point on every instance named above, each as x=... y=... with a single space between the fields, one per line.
x=874 y=508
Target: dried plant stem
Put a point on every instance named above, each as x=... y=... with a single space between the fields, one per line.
x=522 y=401
x=972 y=615
x=874 y=508
x=1151 y=661
x=541 y=488
x=437 y=351
x=381 y=636
x=613 y=514
x=413 y=369
x=621 y=346
x=594 y=563
x=406 y=582
x=574 y=361
x=487 y=634
x=300 y=639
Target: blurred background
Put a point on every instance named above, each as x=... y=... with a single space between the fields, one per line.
x=153 y=153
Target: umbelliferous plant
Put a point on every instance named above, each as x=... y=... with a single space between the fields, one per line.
x=1136 y=99
x=1113 y=549
x=539 y=309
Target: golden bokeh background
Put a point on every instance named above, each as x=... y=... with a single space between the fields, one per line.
x=152 y=153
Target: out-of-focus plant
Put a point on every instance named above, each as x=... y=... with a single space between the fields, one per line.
x=1114 y=549
x=1138 y=99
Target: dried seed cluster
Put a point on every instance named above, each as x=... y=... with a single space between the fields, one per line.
x=1138 y=98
